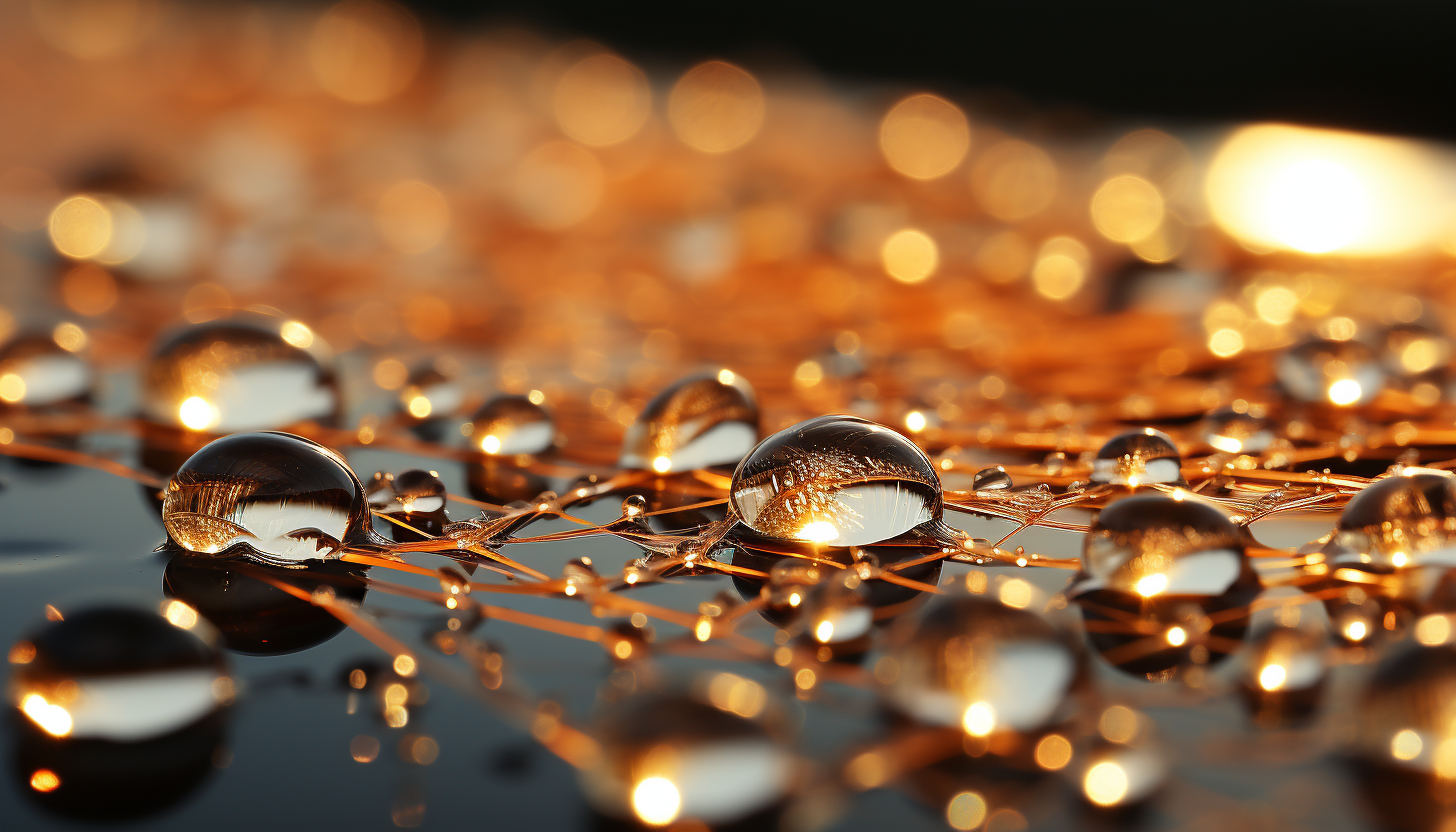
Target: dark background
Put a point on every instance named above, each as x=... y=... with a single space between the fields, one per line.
x=1385 y=67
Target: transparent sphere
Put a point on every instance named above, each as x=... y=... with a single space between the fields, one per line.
x=1406 y=519
x=836 y=480
x=279 y=498
x=1233 y=432
x=237 y=374
x=1405 y=739
x=255 y=617
x=1138 y=457
x=991 y=479
x=414 y=497
x=1283 y=676
x=430 y=392
x=839 y=612
x=119 y=674
x=509 y=425
x=667 y=756
x=36 y=372
x=698 y=422
x=976 y=663
x=1164 y=582
x=1343 y=373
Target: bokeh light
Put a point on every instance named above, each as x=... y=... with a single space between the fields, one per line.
x=924 y=136
x=716 y=107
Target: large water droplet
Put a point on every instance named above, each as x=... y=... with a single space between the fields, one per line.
x=37 y=372
x=974 y=662
x=1403 y=740
x=510 y=425
x=1404 y=520
x=237 y=374
x=699 y=422
x=1342 y=373
x=1283 y=675
x=1164 y=582
x=836 y=480
x=279 y=498
x=254 y=616
x=667 y=756
x=1138 y=457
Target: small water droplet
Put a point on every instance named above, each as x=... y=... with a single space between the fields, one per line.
x=35 y=372
x=511 y=425
x=699 y=422
x=991 y=479
x=1138 y=457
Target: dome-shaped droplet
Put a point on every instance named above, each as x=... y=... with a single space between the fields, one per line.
x=238 y=374
x=510 y=425
x=1163 y=582
x=1406 y=519
x=279 y=498
x=415 y=497
x=36 y=372
x=1233 y=432
x=122 y=711
x=836 y=480
x=1405 y=736
x=838 y=613
x=1342 y=373
x=254 y=615
x=1283 y=675
x=667 y=756
x=119 y=674
x=699 y=422
x=431 y=391
x=1138 y=457
x=976 y=663
x=991 y=479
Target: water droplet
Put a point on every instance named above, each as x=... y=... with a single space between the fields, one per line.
x=667 y=756
x=838 y=613
x=1233 y=432
x=580 y=576
x=1404 y=520
x=836 y=480
x=416 y=497
x=279 y=498
x=1138 y=457
x=237 y=374
x=432 y=393
x=1404 y=751
x=510 y=425
x=625 y=642
x=1283 y=675
x=1342 y=373
x=254 y=616
x=36 y=372
x=975 y=659
x=1164 y=582
x=699 y=422
x=634 y=506
x=1409 y=350
x=991 y=479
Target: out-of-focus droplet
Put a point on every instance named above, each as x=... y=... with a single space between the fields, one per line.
x=716 y=107
x=120 y=674
x=237 y=374
x=924 y=136
x=838 y=612
x=365 y=51
x=1283 y=675
x=431 y=393
x=1343 y=373
x=1403 y=745
x=280 y=498
x=699 y=422
x=836 y=480
x=89 y=289
x=1138 y=457
x=558 y=185
x=974 y=662
x=508 y=425
x=1233 y=432
x=667 y=756
x=1115 y=776
x=1412 y=349
x=602 y=100
x=991 y=479
x=1061 y=267
x=36 y=372
x=1404 y=520
x=1014 y=180
x=1164 y=582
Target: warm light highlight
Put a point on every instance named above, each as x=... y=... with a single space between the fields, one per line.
x=924 y=136
x=602 y=100
x=716 y=107
x=910 y=256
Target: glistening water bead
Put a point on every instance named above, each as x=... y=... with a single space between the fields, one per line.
x=1138 y=457
x=36 y=372
x=698 y=422
x=278 y=498
x=836 y=480
x=1164 y=582
x=510 y=425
